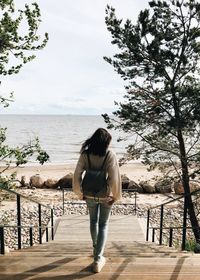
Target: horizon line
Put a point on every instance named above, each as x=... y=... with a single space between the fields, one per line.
x=49 y=114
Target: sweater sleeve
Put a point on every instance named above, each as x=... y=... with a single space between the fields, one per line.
x=77 y=178
x=114 y=178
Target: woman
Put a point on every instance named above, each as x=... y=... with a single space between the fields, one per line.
x=95 y=150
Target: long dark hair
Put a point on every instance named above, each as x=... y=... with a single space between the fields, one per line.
x=98 y=143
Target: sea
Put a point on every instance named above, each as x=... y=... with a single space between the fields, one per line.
x=61 y=136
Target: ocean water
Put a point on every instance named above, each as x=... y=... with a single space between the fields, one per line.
x=60 y=135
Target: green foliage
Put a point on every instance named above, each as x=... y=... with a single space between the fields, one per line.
x=15 y=42
x=19 y=40
x=190 y=245
x=159 y=59
x=12 y=157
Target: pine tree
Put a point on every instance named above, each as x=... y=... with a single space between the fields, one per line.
x=159 y=59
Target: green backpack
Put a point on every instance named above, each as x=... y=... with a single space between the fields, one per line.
x=94 y=182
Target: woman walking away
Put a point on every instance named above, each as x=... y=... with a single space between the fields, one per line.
x=97 y=180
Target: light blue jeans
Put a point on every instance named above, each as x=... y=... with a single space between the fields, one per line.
x=99 y=217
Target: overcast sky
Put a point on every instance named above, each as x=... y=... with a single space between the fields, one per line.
x=70 y=76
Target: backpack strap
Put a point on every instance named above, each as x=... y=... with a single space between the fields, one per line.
x=104 y=160
x=89 y=162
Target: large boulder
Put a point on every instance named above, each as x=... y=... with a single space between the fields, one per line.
x=125 y=181
x=65 y=182
x=163 y=186
x=147 y=187
x=36 y=181
x=134 y=186
x=51 y=183
x=179 y=189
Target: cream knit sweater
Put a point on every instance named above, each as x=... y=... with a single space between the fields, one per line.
x=111 y=166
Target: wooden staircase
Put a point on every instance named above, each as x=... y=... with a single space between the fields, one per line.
x=128 y=255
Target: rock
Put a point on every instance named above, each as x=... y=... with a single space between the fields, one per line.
x=147 y=187
x=194 y=186
x=178 y=188
x=50 y=183
x=65 y=182
x=135 y=186
x=23 y=182
x=163 y=186
x=125 y=181
x=36 y=181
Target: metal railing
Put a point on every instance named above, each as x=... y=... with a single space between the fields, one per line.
x=41 y=228
x=170 y=229
x=134 y=204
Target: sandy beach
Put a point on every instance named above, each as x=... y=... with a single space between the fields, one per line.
x=134 y=171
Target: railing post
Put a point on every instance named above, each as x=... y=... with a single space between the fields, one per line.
x=2 y=240
x=31 y=236
x=63 y=200
x=148 y=218
x=52 y=225
x=19 y=221
x=153 y=234
x=40 y=223
x=161 y=224
x=47 y=234
x=135 y=202
x=184 y=224
x=170 y=236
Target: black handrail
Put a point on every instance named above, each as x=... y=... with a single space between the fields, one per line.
x=19 y=226
x=161 y=228
x=174 y=199
x=23 y=196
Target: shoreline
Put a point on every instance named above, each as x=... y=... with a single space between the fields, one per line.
x=135 y=171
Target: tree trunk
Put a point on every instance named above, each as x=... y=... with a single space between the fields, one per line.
x=188 y=198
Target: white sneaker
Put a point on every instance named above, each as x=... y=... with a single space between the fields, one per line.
x=98 y=265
